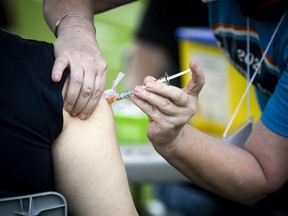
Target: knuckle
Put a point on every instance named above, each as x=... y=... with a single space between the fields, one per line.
x=95 y=58
x=153 y=111
x=102 y=66
x=165 y=105
x=87 y=92
x=61 y=59
x=97 y=93
x=181 y=96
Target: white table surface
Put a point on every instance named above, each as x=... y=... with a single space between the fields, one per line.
x=144 y=165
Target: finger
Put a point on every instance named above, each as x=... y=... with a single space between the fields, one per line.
x=149 y=78
x=73 y=89
x=99 y=85
x=151 y=111
x=100 y=81
x=85 y=94
x=60 y=64
x=157 y=104
x=198 y=80
x=174 y=94
x=162 y=116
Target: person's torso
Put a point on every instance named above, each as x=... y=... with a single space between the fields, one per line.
x=30 y=115
x=33 y=105
x=230 y=29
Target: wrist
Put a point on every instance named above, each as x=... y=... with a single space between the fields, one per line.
x=74 y=19
x=172 y=146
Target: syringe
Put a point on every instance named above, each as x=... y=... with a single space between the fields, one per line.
x=164 y=79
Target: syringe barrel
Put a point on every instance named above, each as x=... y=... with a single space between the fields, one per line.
x=124 y=94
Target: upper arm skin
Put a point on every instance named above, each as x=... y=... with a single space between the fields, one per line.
x=271 y=152
x=88 y=166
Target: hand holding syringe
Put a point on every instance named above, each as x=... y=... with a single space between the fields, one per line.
x=165 y=79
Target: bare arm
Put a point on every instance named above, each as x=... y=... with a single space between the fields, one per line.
x=89 y=170
x=244 y=175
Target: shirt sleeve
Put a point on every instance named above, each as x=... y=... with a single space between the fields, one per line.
x=275 y=115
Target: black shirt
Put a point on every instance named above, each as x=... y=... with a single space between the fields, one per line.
x=30 y=115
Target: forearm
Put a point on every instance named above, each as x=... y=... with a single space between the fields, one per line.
x=55 y=9
x=241 y=174
x=220 y=168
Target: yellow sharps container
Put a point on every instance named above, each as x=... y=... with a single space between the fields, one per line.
x=224 y=85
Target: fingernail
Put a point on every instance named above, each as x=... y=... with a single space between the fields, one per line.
x=83 y=116
x=139 y=89
x=73 y=114
x=68 y=108
x=150 y=84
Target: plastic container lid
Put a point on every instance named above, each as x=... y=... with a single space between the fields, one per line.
x=202 y=35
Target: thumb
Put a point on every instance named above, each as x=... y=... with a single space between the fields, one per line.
x=197 y=81
x=60 y=64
